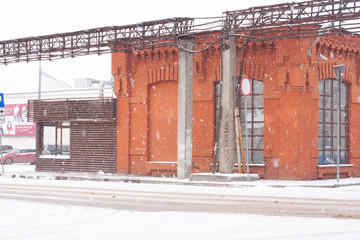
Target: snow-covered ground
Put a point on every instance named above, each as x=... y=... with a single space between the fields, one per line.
x=20 y=220
x=32 y=220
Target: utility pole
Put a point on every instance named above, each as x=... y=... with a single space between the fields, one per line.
x=185 y=108
x=227 y=122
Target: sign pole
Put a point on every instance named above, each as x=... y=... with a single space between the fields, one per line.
x=246 y=143
x=2 y=120
x=2 y=159
x=246 y=91
x=338 y=72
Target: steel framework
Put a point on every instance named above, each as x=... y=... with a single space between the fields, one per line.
x=300 y=20
x=292 y=14
x=290 y=20
x=92 y=41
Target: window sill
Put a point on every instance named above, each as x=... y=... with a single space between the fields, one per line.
x=54 y=157
x=334 y=165
x=256 y=165
x=252 y=165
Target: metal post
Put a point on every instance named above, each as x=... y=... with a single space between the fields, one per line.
x=246 y=143
x=3 y=120
x=39 y=91
x=338 y=71
x=2 y=159
x=246 y=91
x=338 y=131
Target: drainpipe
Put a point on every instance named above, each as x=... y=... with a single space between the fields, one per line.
x=321 y=32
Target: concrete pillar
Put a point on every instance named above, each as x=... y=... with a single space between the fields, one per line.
x=227 y=129
x=185 y=109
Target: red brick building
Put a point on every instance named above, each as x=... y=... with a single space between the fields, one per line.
x=291 y=112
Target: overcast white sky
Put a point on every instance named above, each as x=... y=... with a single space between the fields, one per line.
x=25 y=18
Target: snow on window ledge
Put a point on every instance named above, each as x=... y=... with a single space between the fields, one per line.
x=55 y=157
x=256 y=164
x=334 y=165
x=253 y=165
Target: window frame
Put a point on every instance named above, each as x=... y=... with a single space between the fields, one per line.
x=253 y=108
x=254 y=94
x=61 y=141
x=327 y=122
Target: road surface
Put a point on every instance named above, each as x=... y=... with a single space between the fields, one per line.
x=151 y=198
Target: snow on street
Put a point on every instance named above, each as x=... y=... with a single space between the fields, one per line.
x=56 y=209
x=21 y=220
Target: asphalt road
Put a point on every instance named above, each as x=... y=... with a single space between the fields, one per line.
x=148 y=199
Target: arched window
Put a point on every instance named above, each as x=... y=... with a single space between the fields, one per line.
x=327 y=124
x=255 y=121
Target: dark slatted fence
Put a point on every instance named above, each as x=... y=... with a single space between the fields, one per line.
x=92 y=133
x=93 y=146
x=102 y=109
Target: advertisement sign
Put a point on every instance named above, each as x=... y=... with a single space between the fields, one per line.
x=16 y=123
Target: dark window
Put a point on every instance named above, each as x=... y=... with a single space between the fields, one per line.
x=327 y=124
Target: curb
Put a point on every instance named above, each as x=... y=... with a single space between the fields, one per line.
x=174 y=181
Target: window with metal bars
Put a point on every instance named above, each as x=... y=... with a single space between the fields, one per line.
x=255 y=121
x=327 y=124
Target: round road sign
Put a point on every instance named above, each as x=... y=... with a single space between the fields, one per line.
x=245 y=86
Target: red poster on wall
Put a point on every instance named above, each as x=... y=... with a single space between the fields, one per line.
x=16 y=121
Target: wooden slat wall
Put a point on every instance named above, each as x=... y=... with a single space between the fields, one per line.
x=93 y=146
x=67 y=110
x=39 y=139
x=92 y=134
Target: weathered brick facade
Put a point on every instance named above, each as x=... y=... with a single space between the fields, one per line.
x=146 y=90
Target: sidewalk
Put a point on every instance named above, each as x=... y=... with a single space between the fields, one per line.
x=28 y=172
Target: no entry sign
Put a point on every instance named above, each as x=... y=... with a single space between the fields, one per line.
x=245 y=86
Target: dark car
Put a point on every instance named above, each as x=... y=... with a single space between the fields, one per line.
x=19 y=156
x=49 y=149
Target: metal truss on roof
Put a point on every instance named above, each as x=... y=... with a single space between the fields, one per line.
x=282 y=21
x=296 y=20
x=92 y=41
x=293 y=14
